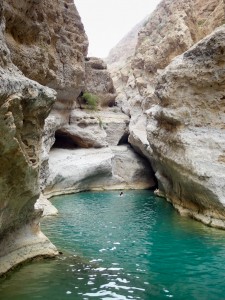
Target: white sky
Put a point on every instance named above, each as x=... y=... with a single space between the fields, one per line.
x=106 y=22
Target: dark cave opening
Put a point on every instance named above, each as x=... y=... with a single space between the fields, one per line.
x=64 y=140
x=124 y=139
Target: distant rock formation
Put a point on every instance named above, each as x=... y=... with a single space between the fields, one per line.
x=99 y=82
x=125 y=49
x=149 y=93
x=89 y=127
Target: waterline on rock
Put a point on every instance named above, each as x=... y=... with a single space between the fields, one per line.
x=130 y=247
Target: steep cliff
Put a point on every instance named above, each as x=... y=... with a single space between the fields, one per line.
x=126 y=47
x=173 y=28
x=48 y=43
x=186 y=131
x=24 y=105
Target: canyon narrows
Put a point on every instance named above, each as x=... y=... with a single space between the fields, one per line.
x=70 y=123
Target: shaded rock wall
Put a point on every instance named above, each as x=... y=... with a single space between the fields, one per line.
x=48 y=43
x=24 y=105
x=99 y=82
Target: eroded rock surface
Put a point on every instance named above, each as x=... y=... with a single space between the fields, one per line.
x=186 y=131
x=48 y=43
x=176 y=120
x=93 y=129
x=24 y=105
x=99 y=82
x=97 y=169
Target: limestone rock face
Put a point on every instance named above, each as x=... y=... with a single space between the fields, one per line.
x=97 y=169
x=24 y=105
x=177 y=114
x=99 y=82
x=186 y=131
x=48 y=44
x=169 y=31
x=46 y=206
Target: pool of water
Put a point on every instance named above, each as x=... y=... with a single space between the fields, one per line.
x=131 y=247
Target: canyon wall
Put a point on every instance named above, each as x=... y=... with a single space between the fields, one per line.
x=91 y=151
x=46 y=42
x=44 y=76
x=23 y=108
x=173 y=114
x=186 y=131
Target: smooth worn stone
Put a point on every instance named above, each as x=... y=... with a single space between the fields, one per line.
x=97 y=169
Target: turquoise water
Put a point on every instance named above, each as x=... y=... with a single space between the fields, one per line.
x=130 y=247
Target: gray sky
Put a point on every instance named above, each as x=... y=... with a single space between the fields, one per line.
x=106 y=22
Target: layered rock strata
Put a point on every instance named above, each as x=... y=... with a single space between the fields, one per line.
x=24 y=105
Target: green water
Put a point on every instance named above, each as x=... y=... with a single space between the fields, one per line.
x=130 y=247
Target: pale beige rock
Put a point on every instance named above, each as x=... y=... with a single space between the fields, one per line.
x=169 y=31
x=186 y=131
x=46 y=206
x=172 y=29
x=48 y=139
x=97 y=169
x=24 y=104
x=23 y=244
x=93 y=129
x=48 y=44
x=98 y=81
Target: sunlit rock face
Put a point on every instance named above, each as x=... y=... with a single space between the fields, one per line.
x=186 y=131
x=24 y=105
x=156 y=126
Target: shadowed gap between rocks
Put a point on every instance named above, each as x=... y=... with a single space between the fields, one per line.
x=64 y=141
